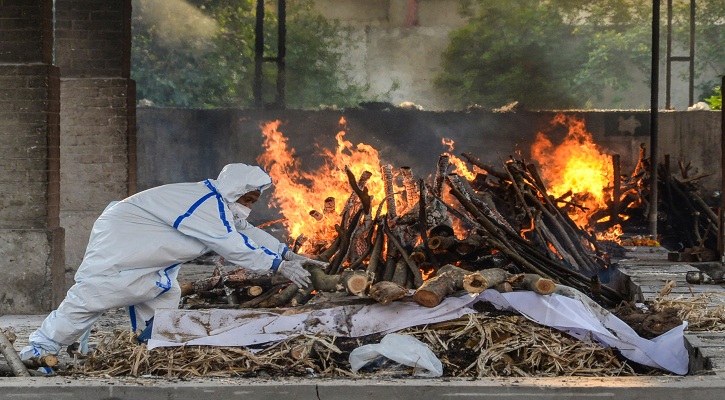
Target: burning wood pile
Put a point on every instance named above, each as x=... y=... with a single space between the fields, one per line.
x=383 y=256
x=400 y=238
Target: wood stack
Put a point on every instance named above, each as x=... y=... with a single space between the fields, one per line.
x=516 y=238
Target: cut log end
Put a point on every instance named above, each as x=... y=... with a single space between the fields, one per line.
x=537 y=284
x=427 y=298
x=385 y=292
x=356 y=284
x=475 y=283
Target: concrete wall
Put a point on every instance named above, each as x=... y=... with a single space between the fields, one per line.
x=31 y=239
x=176 y=145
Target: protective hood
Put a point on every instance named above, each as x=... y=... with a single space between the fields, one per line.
x=236 y=180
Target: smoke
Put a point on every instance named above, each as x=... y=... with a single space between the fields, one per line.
x=175 y=23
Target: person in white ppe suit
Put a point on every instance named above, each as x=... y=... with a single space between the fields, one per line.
x=138 y=244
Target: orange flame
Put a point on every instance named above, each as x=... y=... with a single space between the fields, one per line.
x=461 y=167
x=301 y=196
x=575 y=165
x=612 y=234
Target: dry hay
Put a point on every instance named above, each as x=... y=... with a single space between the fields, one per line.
x=478 y=345
x=703 y=312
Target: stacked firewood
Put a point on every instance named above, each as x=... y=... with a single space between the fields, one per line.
x=687 y=217
x=516 y=237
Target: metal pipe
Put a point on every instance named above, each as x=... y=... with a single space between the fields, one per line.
x=258 y=54
x=692 y=54
x=654 y=107
x=721 y=229
x=668 y=65
x=281 y=52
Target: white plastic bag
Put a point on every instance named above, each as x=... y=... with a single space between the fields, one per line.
x=403 y=349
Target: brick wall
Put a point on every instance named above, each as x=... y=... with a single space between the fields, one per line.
x=97 y=108
x=31 y=240
x=67 y=116
x=89 y=37
x=27 y=31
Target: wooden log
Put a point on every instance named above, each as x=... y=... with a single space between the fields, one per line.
x=302 y=296
x=10 y=335
x=503 y=287
x=390 y=262
x=6 y=370
x=201 y=285
x=411 y=190
x=360 y=243
x=441 y=230
x=44 y=360
x=301 y=239
x=400 y=274
x=329 y=207
x=448 y=280
x=385 y=292
x=322 y=281
x=354 y=282
x=537 y=284
x=415 y=271
x=477 y=282
x=418 y=256
x=238 y=281
x=259 y=299
x=11 y=357
x=252 y=291
x=372 y=268
x=488 y=168
x=281 y=298
x=341 y=254
x=330 y=251
x=441 y=172
x=387 y=173
x=423 y=224
x=469 y=245
x=440 y=243
x=360 y=191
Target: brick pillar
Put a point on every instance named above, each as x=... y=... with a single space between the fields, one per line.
x=31 y=239
x=97 y=115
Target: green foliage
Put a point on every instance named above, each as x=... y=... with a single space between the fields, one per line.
x=567 y=53
x=715 y=101
x=201 y=55
x=508 y=49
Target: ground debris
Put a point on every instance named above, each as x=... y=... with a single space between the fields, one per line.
x=477 y=345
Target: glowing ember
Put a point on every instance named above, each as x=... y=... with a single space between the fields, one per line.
x=575 y=166
x=612 y=234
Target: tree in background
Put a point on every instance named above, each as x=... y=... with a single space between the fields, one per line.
x=567 y=53
x=200 y=54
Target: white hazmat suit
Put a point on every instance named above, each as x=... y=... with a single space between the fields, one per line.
x=138 y=244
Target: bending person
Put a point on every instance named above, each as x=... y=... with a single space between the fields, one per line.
x=138 y=244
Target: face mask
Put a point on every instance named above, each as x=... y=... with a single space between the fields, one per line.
x=239 y=211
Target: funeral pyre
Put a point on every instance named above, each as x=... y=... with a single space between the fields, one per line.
x=391 y=236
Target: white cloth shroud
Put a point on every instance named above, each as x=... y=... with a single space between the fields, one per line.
x=257 y=326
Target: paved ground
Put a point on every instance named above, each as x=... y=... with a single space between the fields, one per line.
x=645 y=271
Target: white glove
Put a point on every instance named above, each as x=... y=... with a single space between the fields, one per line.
x=291 y=256
x=294 y=271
